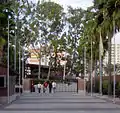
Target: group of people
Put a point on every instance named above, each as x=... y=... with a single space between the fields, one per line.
x=50 y=85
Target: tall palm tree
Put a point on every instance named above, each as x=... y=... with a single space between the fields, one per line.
x=108 y=12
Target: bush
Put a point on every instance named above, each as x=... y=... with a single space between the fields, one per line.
x=96 y=86
x=105 y=87
x=88 y=86
x=118 y=89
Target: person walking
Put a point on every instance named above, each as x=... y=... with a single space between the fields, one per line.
x=39 y=87
x=50 y=87
x=32 y=87
x=45 y=86
x=54 y=86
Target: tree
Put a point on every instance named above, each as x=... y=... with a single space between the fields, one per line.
x=74 y=19
x=108 y=19
x=22 y=32
x=51 y=23
x=5 y=12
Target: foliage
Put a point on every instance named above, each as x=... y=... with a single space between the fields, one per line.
x=74 y=19
x=5 y=12
x=46 y=23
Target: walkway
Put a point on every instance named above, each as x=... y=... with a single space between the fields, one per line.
x=60 y=102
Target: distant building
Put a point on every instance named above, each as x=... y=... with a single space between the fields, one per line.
x=34 y=58
x=33 y=61
x=115 y=55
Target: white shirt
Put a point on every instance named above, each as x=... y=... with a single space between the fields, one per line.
x=39 y=85
x=53 y=84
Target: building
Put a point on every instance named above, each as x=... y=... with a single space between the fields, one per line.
x=45 y=59
x=33 y=61
x=115 y=55
x=34 y=58
x=4 y=86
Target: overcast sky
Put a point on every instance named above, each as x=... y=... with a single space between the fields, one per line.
x=79 y=3
x=74 y=3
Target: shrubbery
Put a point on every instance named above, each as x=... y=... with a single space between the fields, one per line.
x=104 y=87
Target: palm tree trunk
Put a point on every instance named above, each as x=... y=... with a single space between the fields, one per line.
x=109 y=67
x=89 y=76
x=95 y=68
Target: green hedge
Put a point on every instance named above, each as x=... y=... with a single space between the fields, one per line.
x=104 y=87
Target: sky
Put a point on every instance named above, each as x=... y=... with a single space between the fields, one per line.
x=74 y=3
x=83 y=4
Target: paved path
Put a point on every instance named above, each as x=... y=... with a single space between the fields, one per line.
x=107 y=98
x=60 y=103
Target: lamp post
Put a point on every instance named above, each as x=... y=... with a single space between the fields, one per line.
x=91 y=70
x=84 y=70
x=64 y=67
x=100 y=62
x=15 y=52
x=23 y=58
x=19 y=68
x=8 y=66
x=114 y=77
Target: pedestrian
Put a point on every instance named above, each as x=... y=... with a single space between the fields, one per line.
x=50 y=87
x=32 y=87
x=45 y=86
x=54 y=86
x=39 y=87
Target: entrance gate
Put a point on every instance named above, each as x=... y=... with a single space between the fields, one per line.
x=67 y=87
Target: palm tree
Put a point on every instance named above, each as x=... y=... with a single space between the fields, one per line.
x=108 y=12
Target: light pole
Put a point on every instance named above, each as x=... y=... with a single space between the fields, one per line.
x=100 y=61
x=23 y=58
x=40 y=48
x=8 y=92
x=84 y=70
x=64 y=72
x=114 y=77
x=15 y=51
x=91 y=70
x=19 y=68
x=64 y=67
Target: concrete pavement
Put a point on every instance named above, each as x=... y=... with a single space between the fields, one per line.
x=107 y=98
x=60 y=102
